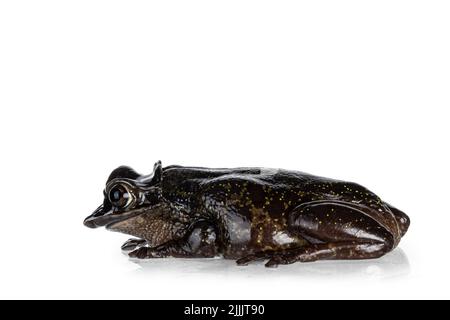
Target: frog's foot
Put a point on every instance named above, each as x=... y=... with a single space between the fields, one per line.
x=140 y=253
x=326 y=251
x=308 y=253
x=171 y=248
x=145 y=253
x=278 y=257
x=132 y=244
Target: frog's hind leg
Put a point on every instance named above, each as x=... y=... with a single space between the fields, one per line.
x=337 y=230
x=343 y=230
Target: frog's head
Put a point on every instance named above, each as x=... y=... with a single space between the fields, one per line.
x=127 y=195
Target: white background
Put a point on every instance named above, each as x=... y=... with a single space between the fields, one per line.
x=356 y=90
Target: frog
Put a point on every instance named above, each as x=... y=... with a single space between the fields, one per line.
x=246 y=214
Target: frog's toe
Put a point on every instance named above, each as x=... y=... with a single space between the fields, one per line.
x=300 y=255
x=274 y=262
x=257 y=256
x=132 y=244
x=246 y=260
x=141 y=253
x=281 y=258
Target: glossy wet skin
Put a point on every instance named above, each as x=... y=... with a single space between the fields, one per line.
x=246 y=214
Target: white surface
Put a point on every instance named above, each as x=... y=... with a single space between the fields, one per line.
x=357 y=90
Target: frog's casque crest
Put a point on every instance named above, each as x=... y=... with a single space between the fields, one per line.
x=155 y=177
x=125 y=172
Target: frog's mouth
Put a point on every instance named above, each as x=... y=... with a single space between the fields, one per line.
x=102 y=217
x=150 y=223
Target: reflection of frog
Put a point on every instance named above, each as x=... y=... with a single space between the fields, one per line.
x=246 y=214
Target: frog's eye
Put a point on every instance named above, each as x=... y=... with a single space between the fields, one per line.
x=119 y=196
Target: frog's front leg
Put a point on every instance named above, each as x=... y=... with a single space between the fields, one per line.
x=200 y=241
x=338 y=230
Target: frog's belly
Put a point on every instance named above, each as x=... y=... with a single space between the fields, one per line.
x=243 y=237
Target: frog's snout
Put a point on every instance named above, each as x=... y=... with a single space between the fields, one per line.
x=89 y=223
x=92 y=220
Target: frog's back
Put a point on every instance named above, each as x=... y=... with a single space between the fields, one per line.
x=265 y=176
